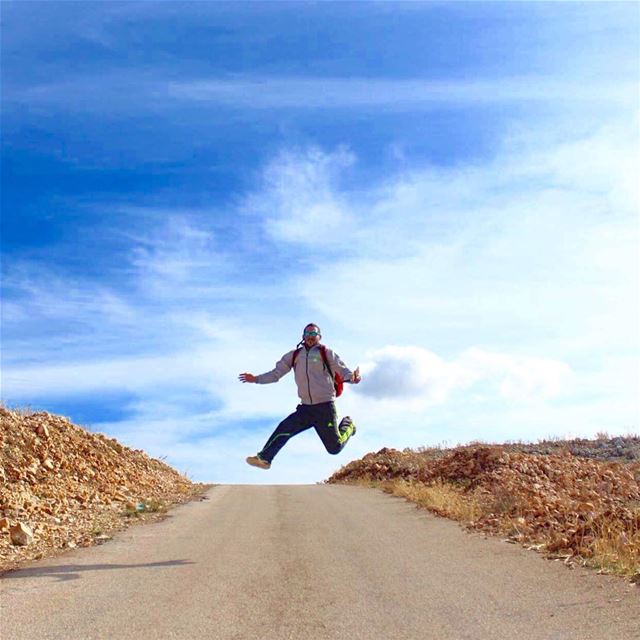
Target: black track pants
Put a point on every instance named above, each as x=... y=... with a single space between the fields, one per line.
x=322 y=417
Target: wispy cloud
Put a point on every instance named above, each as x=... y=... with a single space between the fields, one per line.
x=341 y=93
x=134 y=91
x=179 y=258
x=298 y=202
x=463 y=230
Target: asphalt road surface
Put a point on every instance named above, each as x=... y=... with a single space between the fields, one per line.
x=310 y=562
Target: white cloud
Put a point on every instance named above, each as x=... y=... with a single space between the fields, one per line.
x=519 y=378
x=300 y=201
x=397 y=372
x=402 y=373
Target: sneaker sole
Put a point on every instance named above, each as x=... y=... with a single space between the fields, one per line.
x=256 y=462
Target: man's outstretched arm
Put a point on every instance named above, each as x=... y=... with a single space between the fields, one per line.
x=282 y=367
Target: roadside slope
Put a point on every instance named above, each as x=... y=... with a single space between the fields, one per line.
x=561 y=498
x=62 y=486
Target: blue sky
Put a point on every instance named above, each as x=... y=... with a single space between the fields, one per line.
x=447 y=189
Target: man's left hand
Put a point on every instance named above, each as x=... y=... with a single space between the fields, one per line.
x=355 y=378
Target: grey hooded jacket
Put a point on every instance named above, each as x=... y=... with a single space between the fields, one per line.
x=315 y=385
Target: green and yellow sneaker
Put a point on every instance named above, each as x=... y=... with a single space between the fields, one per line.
x=347 y=424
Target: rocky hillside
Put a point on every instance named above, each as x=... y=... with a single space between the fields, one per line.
x=62 y=486
x=577 y=500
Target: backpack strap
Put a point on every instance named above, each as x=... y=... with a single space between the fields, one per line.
x=338 y=380
x=325 y=359
x=295 y=355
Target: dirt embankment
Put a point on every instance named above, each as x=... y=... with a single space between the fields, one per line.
x=576 y=500
x=62 y=486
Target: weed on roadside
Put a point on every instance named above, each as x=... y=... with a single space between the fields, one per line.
x=151 y=505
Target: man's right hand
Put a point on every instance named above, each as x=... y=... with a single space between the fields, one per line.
x=247 y=377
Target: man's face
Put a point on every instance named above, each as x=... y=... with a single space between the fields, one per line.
x=311 y=335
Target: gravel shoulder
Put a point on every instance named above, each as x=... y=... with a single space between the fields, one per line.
x=63 y=487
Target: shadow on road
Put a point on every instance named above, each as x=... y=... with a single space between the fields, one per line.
x=73 y=571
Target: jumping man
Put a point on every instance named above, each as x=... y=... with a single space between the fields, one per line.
x=315 y=367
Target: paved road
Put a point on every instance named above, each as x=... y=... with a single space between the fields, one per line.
x=309 y=563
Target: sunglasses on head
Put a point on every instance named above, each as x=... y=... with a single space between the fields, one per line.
x=310 y=334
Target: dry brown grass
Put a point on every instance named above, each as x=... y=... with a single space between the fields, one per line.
x=442 y=498
x=616 y=548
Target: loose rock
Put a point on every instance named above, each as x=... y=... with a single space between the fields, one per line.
x=21 y=534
